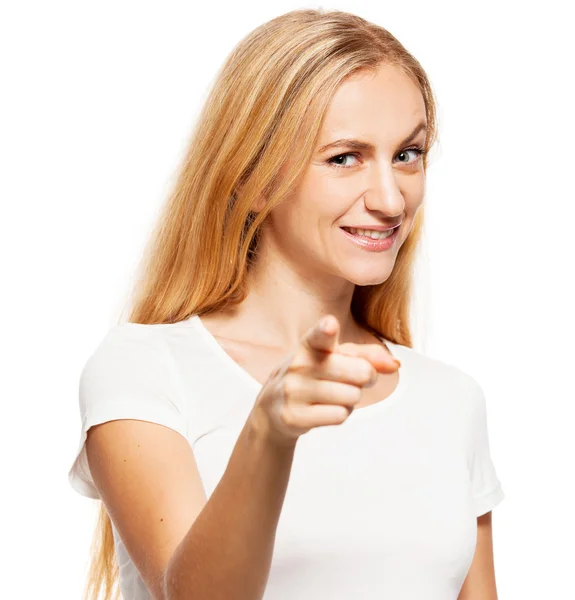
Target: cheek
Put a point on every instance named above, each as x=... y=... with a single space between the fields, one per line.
x=317 y=204
x=415 y=192
x=413 y=195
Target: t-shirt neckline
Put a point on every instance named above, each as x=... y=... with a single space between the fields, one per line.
x=224 y=356
x=394 y=349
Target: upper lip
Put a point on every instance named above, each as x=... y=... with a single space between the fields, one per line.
x=373 y=227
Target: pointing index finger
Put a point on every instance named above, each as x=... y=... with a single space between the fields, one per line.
x=323 y=336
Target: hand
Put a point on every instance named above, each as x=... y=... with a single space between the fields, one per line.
x=319 y=384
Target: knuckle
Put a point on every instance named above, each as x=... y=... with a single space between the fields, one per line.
x=345 y=416
x=355 y=393
x=340 y=369
x=366 y=373
x=336 y=372
x=290 y=386
x=349 y=393
x=342 y=417
x=298 y=362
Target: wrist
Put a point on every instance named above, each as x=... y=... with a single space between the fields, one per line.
x=261 y=432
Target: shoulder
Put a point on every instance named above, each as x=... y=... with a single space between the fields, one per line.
x=126 y=343
x=132 y=373
x=140 y=339
x=130 y=352
x=426 y=366
x=442 y=379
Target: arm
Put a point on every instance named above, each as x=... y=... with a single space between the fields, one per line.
x=480 y=581
x=227 y=551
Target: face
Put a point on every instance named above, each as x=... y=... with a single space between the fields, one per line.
x=376 y=181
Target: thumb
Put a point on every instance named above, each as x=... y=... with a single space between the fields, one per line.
x=379 y=356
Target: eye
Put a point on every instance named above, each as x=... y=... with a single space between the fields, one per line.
x=333 y=158
x=418 y=151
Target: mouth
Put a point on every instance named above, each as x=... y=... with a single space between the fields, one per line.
x=370 y=240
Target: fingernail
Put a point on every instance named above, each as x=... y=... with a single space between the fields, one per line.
x=324 y=323
x=397 y=362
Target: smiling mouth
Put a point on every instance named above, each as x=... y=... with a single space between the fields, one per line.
x=370 y=233
x=373 y=244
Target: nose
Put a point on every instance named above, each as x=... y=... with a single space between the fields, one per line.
x=384 y=194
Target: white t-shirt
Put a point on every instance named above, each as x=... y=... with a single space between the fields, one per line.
x=382 y=506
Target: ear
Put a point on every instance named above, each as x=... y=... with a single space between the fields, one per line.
x=259 y=204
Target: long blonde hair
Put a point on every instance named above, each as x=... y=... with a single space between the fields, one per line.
x=274 y=87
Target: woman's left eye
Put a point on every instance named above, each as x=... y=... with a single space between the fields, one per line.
x=419 y=152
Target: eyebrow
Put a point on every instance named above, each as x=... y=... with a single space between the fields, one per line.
x=359 y=145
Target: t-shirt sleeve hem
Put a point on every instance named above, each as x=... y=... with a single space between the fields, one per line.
x=488 y=501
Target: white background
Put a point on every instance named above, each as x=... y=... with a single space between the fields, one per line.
x=97 y=102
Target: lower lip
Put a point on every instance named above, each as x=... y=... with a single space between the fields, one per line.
x=370 y=244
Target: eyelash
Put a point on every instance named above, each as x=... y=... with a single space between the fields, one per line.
x=420 y=153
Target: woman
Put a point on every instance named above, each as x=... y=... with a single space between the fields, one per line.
x=239 y=450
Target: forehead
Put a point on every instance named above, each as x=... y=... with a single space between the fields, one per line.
x=385 y=102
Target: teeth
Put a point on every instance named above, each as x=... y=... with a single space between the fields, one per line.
x=374 y=235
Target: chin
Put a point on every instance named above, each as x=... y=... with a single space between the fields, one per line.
x=368 y=279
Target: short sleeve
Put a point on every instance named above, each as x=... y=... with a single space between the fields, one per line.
x=130 y=375
x=486 y=488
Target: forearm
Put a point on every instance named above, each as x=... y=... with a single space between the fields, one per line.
x=226 y=554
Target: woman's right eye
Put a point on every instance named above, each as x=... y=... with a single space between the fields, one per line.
x=333 y=158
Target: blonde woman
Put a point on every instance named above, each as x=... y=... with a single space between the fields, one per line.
x=262 y=427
